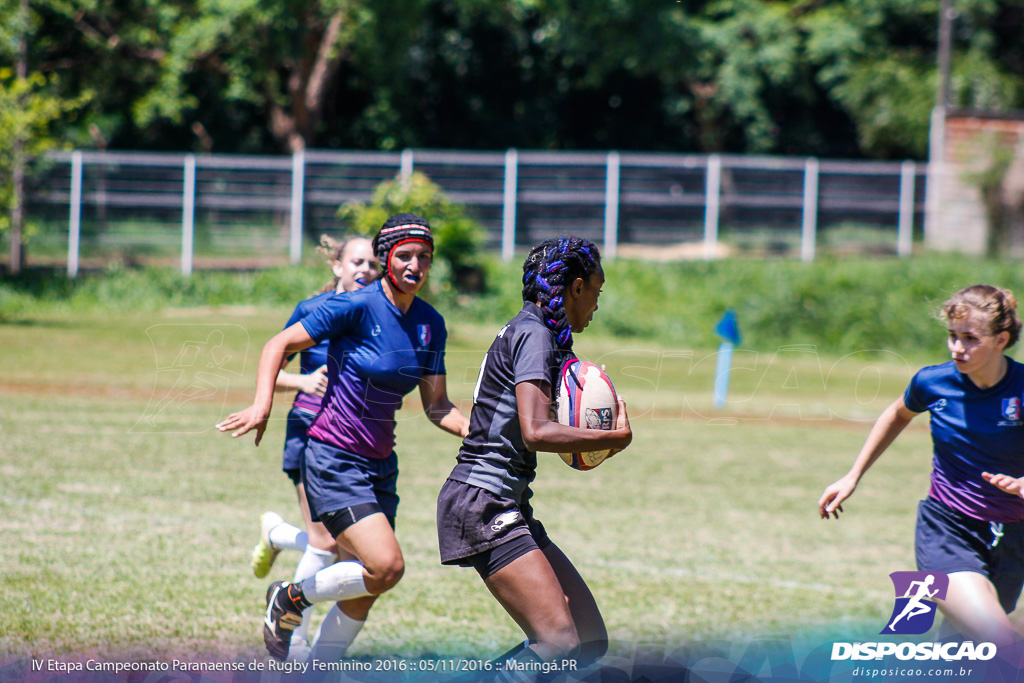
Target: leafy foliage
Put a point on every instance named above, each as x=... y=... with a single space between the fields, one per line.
x=820 y=77
x=28 y=112
x=457 y=236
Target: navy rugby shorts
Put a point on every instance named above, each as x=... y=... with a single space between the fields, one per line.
x=295 y=438
x=949 y=541
x=336 y=479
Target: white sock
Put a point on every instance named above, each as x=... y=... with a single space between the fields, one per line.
x=288 y=537
x=313 y=560
x=340 y=581
x=336 y=633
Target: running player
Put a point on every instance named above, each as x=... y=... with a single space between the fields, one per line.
x=966 y=528
x=484 y=516
x=384 y=342
x=354 y=265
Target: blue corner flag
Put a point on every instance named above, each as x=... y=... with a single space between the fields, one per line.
x=729 y=330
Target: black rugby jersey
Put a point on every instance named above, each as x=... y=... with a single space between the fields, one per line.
x=493 y=456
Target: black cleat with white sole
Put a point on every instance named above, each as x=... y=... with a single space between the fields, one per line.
x=282 y=617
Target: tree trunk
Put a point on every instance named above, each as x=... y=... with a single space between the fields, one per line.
x=18 y=210
x=307 y=86
x=18 y=172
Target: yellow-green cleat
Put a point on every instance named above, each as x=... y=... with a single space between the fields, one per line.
x=264 y=554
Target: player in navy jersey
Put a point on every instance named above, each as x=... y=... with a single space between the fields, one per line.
x=967 y=527
x=353 y=265
x=484 y=517
x=384 y=342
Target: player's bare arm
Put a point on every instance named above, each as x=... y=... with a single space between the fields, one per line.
x=889 y=425
x=289 y=340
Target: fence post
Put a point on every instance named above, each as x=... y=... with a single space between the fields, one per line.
x=905 y=240
x=712 y=204
x=611 y=206
x=405 y=170
x=75 y=225
x=298 y=191
x=810 y=226
x=188 y=214
x=508 y=214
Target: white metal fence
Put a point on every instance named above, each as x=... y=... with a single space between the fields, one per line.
x=184 y=204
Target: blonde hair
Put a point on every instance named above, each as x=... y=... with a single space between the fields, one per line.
x=334 y=250
x=998 y=306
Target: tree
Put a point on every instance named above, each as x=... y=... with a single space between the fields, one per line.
x=825 y=77
x=275 y=61
x=29 y=107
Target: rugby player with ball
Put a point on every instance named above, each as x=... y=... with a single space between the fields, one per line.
x=484 y=516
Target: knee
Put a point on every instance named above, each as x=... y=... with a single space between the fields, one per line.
x=384 y=575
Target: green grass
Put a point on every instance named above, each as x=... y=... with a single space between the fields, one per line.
x=123 y=537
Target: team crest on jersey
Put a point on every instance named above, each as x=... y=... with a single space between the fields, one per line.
x=424 y=334
x=1011 y=409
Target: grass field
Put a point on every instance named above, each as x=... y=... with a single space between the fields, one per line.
x=126 y=520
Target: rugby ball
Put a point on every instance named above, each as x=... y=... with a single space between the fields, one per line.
x=586 y=398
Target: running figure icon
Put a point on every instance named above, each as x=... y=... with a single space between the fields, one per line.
x=915 y=606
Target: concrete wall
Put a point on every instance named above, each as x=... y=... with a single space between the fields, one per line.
x=969 y=145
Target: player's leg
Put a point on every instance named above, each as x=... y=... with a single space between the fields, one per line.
x=376 y=556
x=276 y=534
x=342 y=490
x=586 y=616
x=342 y=624
x=321 y=553
x=379 y=567
x=985 y=573
x=972 y=607
x=529 y=590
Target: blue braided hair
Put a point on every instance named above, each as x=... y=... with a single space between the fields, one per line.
x=551 y=266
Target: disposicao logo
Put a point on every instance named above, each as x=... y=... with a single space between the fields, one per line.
x=913 y=614
x=916 y=593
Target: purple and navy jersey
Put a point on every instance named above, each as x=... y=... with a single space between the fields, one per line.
x=376 y=356
x=312 y=358
x=973 y=431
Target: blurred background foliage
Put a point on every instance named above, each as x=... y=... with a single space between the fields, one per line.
x=839 y=78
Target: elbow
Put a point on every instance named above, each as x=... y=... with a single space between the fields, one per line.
x=531 y=439
x=434 y=413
